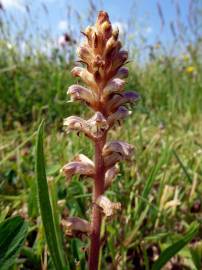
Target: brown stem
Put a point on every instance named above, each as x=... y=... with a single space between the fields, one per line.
x=98 y=190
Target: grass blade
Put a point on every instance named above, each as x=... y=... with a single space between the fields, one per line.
x=183 y=167
x=13 y=233
x=149 y=183
x=45 y=205
x=173 y=249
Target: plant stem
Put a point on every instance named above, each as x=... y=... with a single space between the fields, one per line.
x=98 y=190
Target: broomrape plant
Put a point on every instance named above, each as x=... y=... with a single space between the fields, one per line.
x=104 y=75
x=103 y=72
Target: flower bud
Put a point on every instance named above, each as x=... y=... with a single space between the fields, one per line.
x=111 y=43
x=119 y=59
x=115 y=33
x=109 y=208
x=85 y=54
x=88 y=33
x=102 y=17
x=106 y=26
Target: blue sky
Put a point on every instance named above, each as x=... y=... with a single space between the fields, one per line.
x=143 y=15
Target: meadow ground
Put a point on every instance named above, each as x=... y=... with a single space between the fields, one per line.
x=160 y=189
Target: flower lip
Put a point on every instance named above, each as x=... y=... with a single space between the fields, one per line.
x=78 y=92
x=98 y=123
x=121 y=99
x=84 y=52
x=121 y=113
x=122 y=73
x=84 y=159
x=80 y=165
x=110 y=175
x=123 y=148
x=112 y=159
x=116 y=151
x=92 y=128
x=116 y=85
x=85 y=76
x=75 y=123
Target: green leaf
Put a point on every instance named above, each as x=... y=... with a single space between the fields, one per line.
x=173 y=249
x=13 y=232
x=45 y=205
x=149 y=183
x=196 y=253
x=182 y=166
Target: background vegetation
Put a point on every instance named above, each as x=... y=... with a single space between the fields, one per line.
x=160 y=190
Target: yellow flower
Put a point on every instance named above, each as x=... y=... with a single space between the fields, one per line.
x=190 y=69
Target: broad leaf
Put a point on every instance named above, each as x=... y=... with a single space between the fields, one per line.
x=56 y=250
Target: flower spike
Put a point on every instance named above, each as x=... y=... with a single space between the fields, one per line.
x=104 y=74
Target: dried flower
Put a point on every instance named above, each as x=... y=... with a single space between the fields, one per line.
x=108 y=207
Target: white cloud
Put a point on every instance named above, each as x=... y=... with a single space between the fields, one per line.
x=62 y=25
x=13 y=4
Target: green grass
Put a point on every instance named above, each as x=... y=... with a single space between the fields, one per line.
x=157 y=189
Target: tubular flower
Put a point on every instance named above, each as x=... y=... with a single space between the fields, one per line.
x=121 y=99
x=122 y=148
x=109 y=208
x=110 y=175
x=103 y=72
x=80 y=165
x=95 y=126
x=114 y=86
x=75 y=225
x=121 y=113
x=81 y=93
